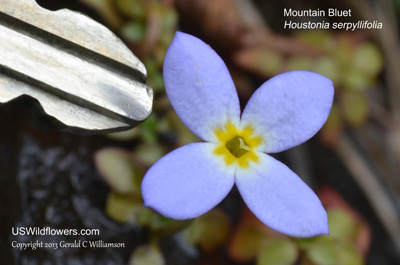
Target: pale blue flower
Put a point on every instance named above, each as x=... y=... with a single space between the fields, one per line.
x=284 y=112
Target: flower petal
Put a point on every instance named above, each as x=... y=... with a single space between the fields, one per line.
x=187 y=182
x=199 y=86
x=289 y=109
x=280 y=199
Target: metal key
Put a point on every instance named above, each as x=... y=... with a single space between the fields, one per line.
x=78 y=70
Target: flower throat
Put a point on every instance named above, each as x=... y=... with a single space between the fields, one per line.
x=237 y=146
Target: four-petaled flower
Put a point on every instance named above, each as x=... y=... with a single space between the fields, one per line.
x=284 y=112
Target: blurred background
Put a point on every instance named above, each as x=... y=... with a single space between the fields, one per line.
x=60 y=180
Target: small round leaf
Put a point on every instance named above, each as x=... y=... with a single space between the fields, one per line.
x=147 y=254
x=322 y=251
x=124 y=208
x=119 y=170
x=280 y=251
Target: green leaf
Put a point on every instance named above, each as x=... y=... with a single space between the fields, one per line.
x=341 y=225
x=322 y=251
x=247 y=243
x=304 y=243
x=332 y=128
x=210 y=230
x=319 y=39
x=146 y=255
x=326 y=250
x=133 y=31
x=355 y=80
x=132 y=8
x=170 y=21
x=148 y=129
x=348 y=255
x=185 y=136
x=163 y=125
x=161 y=226
x=124 y=208
x=264 y=61
x=154 y=74
x=343 y=51
x=326 y=66
x=130 y=209
x=192 y=234
x=368 y=59
x=156 y=80
x=280 y=251
x=268 y=62
x=300 y=63
x=119 y=170
x=215 y=230
x=261 y=61
x=169 y=24
x=354 y=106
x=149 y=153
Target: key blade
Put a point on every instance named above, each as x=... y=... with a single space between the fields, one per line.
x=79 y=71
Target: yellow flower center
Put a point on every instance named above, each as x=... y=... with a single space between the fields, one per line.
x=237 y=146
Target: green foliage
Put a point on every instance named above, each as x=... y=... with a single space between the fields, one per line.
x=348 y=255
x=350 y=65
x=184 y=135
x=337 y=248
x=355 y=80
x=368 y=59
x=322 y=251
x=133 y=31
x=119 y=170
x=253 y=240
x=318 y=39
x=146 y=255
x=280 y=251
x=148 y=130
x=149 y=153
x=134 y=9
x=155 y=79
x=125 y=209
x=327 y=66
x=300 y=63
x=209 y=231
x=262 y=61
x=325 y=250
x=248 y=242
x=353 y=66
x=342 y=226
x=354 y=107
x=124 y=202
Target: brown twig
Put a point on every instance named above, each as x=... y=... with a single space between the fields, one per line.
x=376 y=193
x=388 y=38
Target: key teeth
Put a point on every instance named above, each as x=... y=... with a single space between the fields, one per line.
x=7 y=93
x=89 y=122
x=85 y=32
x=76 y=119
x=7 y=97
x=75 y=27
x=66 y=115
x=110 y=42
